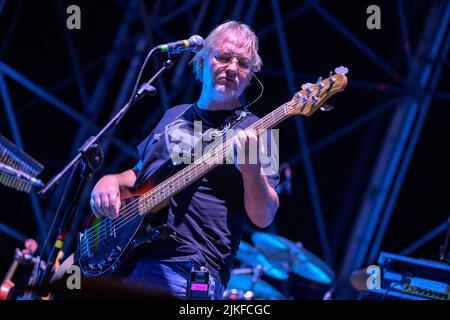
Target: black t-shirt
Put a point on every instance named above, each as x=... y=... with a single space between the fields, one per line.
x=209 y=215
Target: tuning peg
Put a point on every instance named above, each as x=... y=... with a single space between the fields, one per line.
x=306 y=86
x=108 y=260
x=326 y=107
x=319 y=79
x=298 y=95
x=315 y=99
x=341 y=70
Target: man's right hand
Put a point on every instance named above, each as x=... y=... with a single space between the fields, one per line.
x=105 y=197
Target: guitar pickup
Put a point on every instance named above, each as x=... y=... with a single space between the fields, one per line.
x=110 y=229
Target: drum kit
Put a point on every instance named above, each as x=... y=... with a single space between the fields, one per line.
x=277 y=258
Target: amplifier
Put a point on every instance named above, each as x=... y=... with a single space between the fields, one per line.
x=414 y=278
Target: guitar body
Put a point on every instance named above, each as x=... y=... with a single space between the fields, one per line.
x=105 y=242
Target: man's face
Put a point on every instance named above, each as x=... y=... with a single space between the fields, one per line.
x=227 y=71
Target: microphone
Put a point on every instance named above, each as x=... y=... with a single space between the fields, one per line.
x=194 y=43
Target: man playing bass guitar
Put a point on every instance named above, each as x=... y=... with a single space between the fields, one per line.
x=207 y=217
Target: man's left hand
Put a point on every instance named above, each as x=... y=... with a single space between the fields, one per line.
x=245 y=153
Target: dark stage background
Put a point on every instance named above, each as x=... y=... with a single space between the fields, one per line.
x=371 y=175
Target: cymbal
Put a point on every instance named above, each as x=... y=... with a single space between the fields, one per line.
x=284 y=254
x=251 y=257
x=261 y=289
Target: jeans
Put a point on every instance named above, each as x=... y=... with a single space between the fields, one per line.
x=170 y=277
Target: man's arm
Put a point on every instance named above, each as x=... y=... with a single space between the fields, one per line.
x=105 y=197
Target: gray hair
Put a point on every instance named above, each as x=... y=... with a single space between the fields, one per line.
x=216 y=35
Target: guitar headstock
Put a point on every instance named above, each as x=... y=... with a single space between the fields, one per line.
x=312 y=96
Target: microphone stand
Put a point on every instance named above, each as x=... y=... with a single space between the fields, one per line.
x=90 y=156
